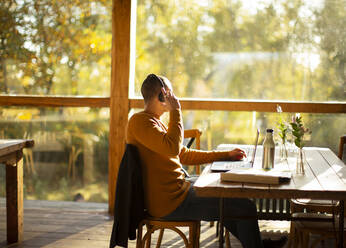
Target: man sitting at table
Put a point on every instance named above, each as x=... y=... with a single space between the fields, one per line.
x=168 y=192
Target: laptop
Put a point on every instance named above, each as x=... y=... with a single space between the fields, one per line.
x=222 y=166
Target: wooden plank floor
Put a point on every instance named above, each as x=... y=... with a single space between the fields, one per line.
x=81 y=225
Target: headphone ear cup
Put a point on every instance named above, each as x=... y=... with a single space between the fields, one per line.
x=161 y=97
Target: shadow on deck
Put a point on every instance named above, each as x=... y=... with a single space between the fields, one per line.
x=81 y=224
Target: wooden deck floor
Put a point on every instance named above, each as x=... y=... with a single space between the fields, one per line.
x=82 y=225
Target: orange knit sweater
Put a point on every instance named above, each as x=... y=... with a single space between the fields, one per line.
x=162 y=155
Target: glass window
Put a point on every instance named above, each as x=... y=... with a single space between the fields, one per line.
x=240 y=127
x=220 y=127
x=270 y=50
x=69 y=161
x=55 y=47
x=224 y=127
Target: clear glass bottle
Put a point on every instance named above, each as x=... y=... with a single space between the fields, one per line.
x=268 y=150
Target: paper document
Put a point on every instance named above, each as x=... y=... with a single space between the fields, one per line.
x=254 y=175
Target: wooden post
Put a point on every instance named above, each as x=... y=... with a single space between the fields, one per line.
x=119 y=97
x=14 y=200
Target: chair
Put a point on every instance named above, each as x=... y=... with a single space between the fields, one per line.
x=310 y=208
x=152 y=224
x=326 y=228
x=194 y=134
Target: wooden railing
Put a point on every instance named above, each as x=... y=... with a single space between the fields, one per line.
x=54 y=101
x=187 y=104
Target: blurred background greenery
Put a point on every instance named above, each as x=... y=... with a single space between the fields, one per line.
x=230 y=49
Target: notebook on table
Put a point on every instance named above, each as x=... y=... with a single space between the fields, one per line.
x=222 y=166
x=254 y=175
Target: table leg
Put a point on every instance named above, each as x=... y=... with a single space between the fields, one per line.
x=221 y=223
x=341 y=224
x=14 y=202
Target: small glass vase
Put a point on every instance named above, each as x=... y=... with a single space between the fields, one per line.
x=283 y=152
x=300 y=162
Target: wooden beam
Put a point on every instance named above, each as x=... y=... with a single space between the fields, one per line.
x=54 y=101
x=119 y=100
x=254 y=105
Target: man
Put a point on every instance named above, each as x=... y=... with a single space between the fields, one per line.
x=167 y=193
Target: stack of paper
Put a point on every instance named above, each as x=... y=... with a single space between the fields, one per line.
x=252 y=175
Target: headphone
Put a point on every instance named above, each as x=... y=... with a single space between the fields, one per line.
x=161 y=97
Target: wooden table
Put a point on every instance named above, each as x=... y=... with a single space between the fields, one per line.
x=11 y=153
x=325 y=178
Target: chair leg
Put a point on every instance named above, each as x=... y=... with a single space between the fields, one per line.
x=228 y=239
x=198 y=234
x=296 y=238
x=194 y=233
x=300 y=240
x=159 y=240
x=319 y=240
x=192 y=237
x=139 y=236
x=291 y=237
x=148 y=244
x=217 y=228
x=149 y=231
x=305 y=239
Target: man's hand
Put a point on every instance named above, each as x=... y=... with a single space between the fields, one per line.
x=171 y=100
x=237 y=154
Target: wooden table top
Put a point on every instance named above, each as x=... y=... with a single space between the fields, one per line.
x=325 y=178
x=8 y=146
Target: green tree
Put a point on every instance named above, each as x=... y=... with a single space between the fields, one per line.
x=12 y=39
x=61 y=37
x=330 y=28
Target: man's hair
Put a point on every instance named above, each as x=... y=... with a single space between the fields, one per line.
x=151 y=87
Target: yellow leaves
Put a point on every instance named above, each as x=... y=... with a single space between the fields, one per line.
x=24 y=116
x=27 y=81
x=99 y=42
x=19 y=114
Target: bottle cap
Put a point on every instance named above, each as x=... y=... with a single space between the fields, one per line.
x=269 y=130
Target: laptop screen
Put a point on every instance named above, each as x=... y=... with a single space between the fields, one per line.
x=255 y=149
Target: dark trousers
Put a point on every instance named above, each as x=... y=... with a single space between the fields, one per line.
x=208 y=209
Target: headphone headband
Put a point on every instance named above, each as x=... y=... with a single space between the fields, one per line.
x=158 y=78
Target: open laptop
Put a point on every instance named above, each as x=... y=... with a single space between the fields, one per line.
x=222 y=166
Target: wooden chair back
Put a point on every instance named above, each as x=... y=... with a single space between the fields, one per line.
x=195 y=136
